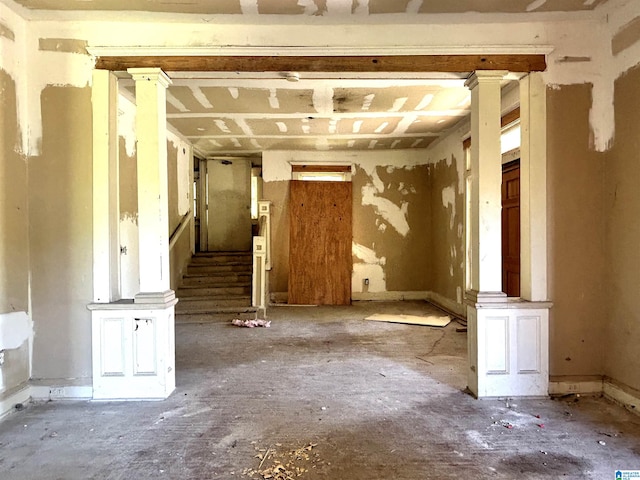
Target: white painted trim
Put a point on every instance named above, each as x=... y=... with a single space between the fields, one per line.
x=325 y=51
x=447 y=304
x=7 y=403
x=618 y=395
x=309 y=80
x=567 y=387
x=390 y=296
x=61 y=392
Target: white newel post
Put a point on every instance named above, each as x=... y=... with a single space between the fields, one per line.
x=134 y=339
x=507 y=338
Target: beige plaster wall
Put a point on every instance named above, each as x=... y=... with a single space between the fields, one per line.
x=447 y=228
x=576 y=215
x=172 y=179
x=391 y=218
x=277 y=193
x=14 y=254
x=181 y=252
x=622 y=204
x=406 y=254
x=60 y=199
x=14 y=239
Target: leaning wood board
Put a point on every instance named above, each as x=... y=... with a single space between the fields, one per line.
x=429 y=321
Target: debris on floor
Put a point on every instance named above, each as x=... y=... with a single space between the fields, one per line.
x=251 y=323
x=429 y=321
x=287 y=465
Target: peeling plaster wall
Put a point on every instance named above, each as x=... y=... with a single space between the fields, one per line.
x=391 y=215
x=179 y=165
x=16 y=330
x=277 y=191
x=575 y=182
x=622 y=172
x=446 y=180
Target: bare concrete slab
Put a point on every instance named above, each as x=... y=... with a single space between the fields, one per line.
x=325 y=395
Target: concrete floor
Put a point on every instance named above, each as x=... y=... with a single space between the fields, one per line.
x=325 y=395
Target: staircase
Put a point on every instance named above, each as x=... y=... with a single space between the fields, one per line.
x=216 y=287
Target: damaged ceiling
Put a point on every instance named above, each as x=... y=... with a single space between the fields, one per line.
x=245 y=116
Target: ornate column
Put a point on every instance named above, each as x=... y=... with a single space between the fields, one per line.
x=507 y=338
x=134 y=340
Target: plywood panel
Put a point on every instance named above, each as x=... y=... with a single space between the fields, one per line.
x=320 y=260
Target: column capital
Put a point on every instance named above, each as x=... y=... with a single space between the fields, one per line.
x=150 y=74
x=484 y=76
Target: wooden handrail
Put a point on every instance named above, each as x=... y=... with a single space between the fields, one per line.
x=179 y=229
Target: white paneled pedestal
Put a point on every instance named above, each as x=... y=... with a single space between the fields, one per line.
x=133 y=350
x=508 y=348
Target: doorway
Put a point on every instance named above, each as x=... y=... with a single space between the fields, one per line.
x=227 y=217
x=511 y=228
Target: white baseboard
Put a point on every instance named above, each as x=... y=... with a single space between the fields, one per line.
x=448 y=304
x=628 y=400
x=568 y=387
x=282 y=297
x=389 y=296
x=9 y=400
x=66 y=392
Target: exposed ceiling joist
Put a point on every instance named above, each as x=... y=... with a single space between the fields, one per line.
x=366 y=63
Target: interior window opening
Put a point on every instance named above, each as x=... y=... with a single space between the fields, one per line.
x=321 y=173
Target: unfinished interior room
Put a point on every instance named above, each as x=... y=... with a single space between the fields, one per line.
x=427 y=210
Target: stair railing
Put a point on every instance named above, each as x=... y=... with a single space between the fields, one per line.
x=261 y=256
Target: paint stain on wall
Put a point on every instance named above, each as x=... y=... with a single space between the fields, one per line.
x=368 y=270
x=628 y=35
x=393 y=214
x=391 y=218
x=447 y=228
x=6 y=32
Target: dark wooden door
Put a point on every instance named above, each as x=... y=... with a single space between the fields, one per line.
x=511 y=229
x=320 y=236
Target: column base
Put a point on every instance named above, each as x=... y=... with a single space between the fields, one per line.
x=161 y=298
x=473 y=297
x=133 y=350
x=508 y=345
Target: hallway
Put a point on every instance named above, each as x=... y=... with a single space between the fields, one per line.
x=352 y=399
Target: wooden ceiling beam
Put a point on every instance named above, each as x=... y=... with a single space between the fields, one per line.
x=372 y=64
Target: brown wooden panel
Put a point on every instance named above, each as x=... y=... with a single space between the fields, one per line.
x=364 y=63
x=510 y=117
x=320 y=258
x=511 y=229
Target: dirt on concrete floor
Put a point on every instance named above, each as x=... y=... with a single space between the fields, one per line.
x=321 y=394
